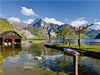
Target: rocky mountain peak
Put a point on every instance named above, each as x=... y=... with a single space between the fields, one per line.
x=39 y=22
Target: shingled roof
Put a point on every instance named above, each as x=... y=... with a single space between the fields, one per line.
x=7 y=32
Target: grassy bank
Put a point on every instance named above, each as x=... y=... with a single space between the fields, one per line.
x=83 y=47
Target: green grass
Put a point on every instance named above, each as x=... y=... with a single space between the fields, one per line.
x=84 y=47
x=33 y=40
x=37 y=34
x=5 y=26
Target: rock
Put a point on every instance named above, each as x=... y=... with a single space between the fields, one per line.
x=27 y=34
x=98 y=36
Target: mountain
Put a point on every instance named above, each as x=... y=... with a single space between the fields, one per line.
x=44 y=30
x=92 y=33
x=27 y=34
x=98 y=36
x=5 y=25
x=19 y=27
x=38 y=29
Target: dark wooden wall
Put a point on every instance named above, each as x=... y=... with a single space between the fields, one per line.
x=12 y=37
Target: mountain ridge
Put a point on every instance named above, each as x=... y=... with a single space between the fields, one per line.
x=92 y=33
x=49 y=28
x=42 y=30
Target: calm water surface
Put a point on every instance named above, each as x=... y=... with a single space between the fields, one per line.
x=35 y=59
x=74 y=41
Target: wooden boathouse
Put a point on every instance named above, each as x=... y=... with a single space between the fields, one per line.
x=10 y=38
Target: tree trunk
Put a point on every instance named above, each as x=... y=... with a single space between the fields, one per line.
x=69 y=44
x=63 y=39
x=79 y=40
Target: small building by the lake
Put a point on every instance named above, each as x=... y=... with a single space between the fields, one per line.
x=10 y=38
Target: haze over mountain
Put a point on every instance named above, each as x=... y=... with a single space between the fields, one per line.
x=19 y=25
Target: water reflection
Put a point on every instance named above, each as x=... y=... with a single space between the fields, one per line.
x=85 y=69
x=38 y=60
x=1 y=63
x=6 y=52
x=75 y=64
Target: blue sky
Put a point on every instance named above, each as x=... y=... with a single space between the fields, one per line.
x=71 y=12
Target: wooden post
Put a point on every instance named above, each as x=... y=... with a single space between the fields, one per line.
x=3 y=43
x=13 y=41
x=20 y=42
x=75 y=64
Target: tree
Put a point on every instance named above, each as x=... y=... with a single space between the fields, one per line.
x=80 y=30
x=64 y=32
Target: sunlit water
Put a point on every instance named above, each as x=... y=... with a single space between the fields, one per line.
x=35 y=59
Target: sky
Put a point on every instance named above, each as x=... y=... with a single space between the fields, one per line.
x=73 y=12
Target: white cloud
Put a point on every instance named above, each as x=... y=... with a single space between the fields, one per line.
x=27 y=12
x=79 y=22
x=52 y=20
x=97 y=23
x=12 y=19
x=29 y=21
x=96 y=26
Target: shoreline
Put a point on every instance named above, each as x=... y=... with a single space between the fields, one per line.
x=33 y=41
x=82 y=52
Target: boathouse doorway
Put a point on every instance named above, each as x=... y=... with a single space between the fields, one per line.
x=10 y=38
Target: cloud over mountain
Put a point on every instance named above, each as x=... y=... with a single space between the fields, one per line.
x=97 y=23
x=78 y=22
x=29 y=21
x=52 y=20
x=27 y=12
x=12 y=19
x=97 y=26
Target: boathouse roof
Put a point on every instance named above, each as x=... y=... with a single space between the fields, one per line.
x=2 y=35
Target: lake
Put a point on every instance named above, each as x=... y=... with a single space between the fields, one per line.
x=35 y=59
x=73 y=41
